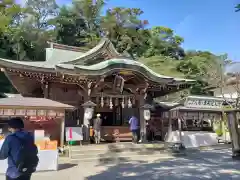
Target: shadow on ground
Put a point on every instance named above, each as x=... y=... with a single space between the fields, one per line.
x=115 y=153
x=214 y=164
x=65 y=166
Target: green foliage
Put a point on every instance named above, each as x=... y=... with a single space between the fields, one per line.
x=163 y=65
x=25 y=31
x=219 y=132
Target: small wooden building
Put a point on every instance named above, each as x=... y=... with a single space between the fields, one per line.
x=37 y=113
x=193 y=122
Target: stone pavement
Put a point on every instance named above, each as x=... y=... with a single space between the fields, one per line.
x=205 y=164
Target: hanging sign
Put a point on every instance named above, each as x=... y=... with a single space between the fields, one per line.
x=31 y=112
x=20 y=112
x=147 y=114
x=8 y=112
x=60 y=114
x=207 y=103
x=41 y=112
x=52 y=113
x=125 y=72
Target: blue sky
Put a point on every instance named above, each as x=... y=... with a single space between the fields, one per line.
x=211 y=25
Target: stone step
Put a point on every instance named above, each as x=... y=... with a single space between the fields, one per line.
x=116 y=151
x=79 y=155
x=116 y=147
x=120 y=158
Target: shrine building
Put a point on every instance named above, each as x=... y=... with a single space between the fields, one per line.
x=117 y=85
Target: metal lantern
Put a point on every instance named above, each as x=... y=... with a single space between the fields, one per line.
x=147 y=112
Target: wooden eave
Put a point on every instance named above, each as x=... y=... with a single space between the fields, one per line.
x=33 y=103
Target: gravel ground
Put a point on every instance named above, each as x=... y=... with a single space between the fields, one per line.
x=207 y=164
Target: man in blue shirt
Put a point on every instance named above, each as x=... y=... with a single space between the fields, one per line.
x=134 y=126
x=11 y=146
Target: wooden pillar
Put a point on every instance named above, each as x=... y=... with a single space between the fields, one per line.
x=46 y=90
x=180 y=129
x=142 y=120
x=169 y=131
x=62 y=132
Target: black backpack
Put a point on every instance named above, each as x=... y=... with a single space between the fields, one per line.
x=27 y=159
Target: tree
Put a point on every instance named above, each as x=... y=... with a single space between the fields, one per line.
x=70 y=27
x=125 y=30
x=8 y=10
x=237 y=8
x=162 y=41
x=195 y=66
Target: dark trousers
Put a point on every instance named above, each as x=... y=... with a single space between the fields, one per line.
x=25 y=177
x=135 y=136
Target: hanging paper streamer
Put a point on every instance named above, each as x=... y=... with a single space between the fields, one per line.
x=102 y=102
x=129 y=103
x=133 y=101
x=116 y=102
x=123 y=103
x=110 y=103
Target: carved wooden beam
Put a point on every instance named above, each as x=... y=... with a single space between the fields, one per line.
x=99 y=81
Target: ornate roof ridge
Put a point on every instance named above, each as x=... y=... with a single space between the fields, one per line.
x=105 y=42
x=55 y=45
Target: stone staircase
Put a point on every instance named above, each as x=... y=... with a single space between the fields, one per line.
x=116 y=152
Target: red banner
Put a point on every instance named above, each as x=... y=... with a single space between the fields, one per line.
x=70 y=133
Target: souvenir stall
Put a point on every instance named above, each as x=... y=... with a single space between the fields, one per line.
x=44 y=118
x=193 y=124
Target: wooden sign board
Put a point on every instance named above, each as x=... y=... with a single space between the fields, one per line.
x=31 y=112
x=206 y=103
x=20 y=112
x=52 y=113
x=126 y=72
x=74 y=134
x=60 y=114
x=9 y=112
x=41 y=112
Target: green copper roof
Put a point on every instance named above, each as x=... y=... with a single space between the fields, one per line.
x=75 y=64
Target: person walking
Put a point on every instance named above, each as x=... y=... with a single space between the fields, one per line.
x=134 y=127
x=97 y=128
x=20 y=150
